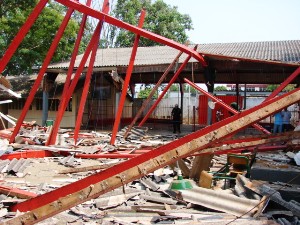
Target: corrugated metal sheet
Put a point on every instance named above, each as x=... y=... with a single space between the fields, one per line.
x=220 y=201
x=285 y=51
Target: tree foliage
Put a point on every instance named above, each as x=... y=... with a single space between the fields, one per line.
x=144 y=93
x=174 y=87
x=220 y=88
x=160 y=18
x=34 y=47
x=272 y=87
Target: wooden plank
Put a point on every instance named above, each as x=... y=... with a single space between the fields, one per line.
x=200 y=163
x=87 y=168
x=183 y=167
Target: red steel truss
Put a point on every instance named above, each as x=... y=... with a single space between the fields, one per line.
x=230 y=109
x=49 y=204
x=86 y=10
x=126 y=82
x=39 y=79
x=53 y=202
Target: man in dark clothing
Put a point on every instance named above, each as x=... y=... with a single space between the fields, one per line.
x=176 y=116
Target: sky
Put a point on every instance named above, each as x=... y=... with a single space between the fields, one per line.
x=226 y=21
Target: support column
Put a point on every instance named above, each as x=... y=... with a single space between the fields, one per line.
x=118 y=96
x=181 y=100
x=237 y=94
x=209 y=76
x=245 y=96
x=45 y=107
x=48 y=82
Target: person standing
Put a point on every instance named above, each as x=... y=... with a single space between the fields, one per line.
x=286 y=120
x=176 y=117
x=277 y=123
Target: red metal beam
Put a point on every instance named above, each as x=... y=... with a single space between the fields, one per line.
x=70 y=70
x=74 y=54
x=21 y=34
x=52 y=138
x=126 y=82
x=105 y=9
x=146 y=102
x=28 y=154
x=17 y=192
x=230 y=109
x=45 y=205
x=40 y=76
x=166 y=89
x=139 y=31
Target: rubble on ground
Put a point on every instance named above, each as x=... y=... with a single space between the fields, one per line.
x=148 y=200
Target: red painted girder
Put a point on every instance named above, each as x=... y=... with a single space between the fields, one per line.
x=8 y=136
x=70 y=71
x=88 y=76
x=147 y=101
x=139 y=31
x=17 y=192
x=166 y=89
x=40 y=76
x=52 y=138
x=21 y=34
x=209 y=134
x=72 y=61
x=28 y=154
x=126 y=82
x=258 y=127
x=75 y=53
x=284 y=84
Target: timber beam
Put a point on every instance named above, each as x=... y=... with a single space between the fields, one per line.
x=251 y=144
x=61 y=199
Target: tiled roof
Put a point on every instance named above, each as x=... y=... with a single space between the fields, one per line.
x=283 y=51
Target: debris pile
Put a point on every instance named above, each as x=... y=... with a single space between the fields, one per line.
x=247 y=197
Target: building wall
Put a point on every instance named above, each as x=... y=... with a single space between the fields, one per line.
x=36 y=115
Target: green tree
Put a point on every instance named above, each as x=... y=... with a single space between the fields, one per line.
x=272 y=87
x=33 y=49
x=160 y=18
x=144 y=93
x=290 y=87
x=174 y=87
x=188 y=88
x=220 y=88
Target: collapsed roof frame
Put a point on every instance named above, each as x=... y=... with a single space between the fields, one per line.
x=103 y=17
x=51 y=203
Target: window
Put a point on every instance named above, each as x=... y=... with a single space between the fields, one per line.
x=18 y=104
x=52 y=104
